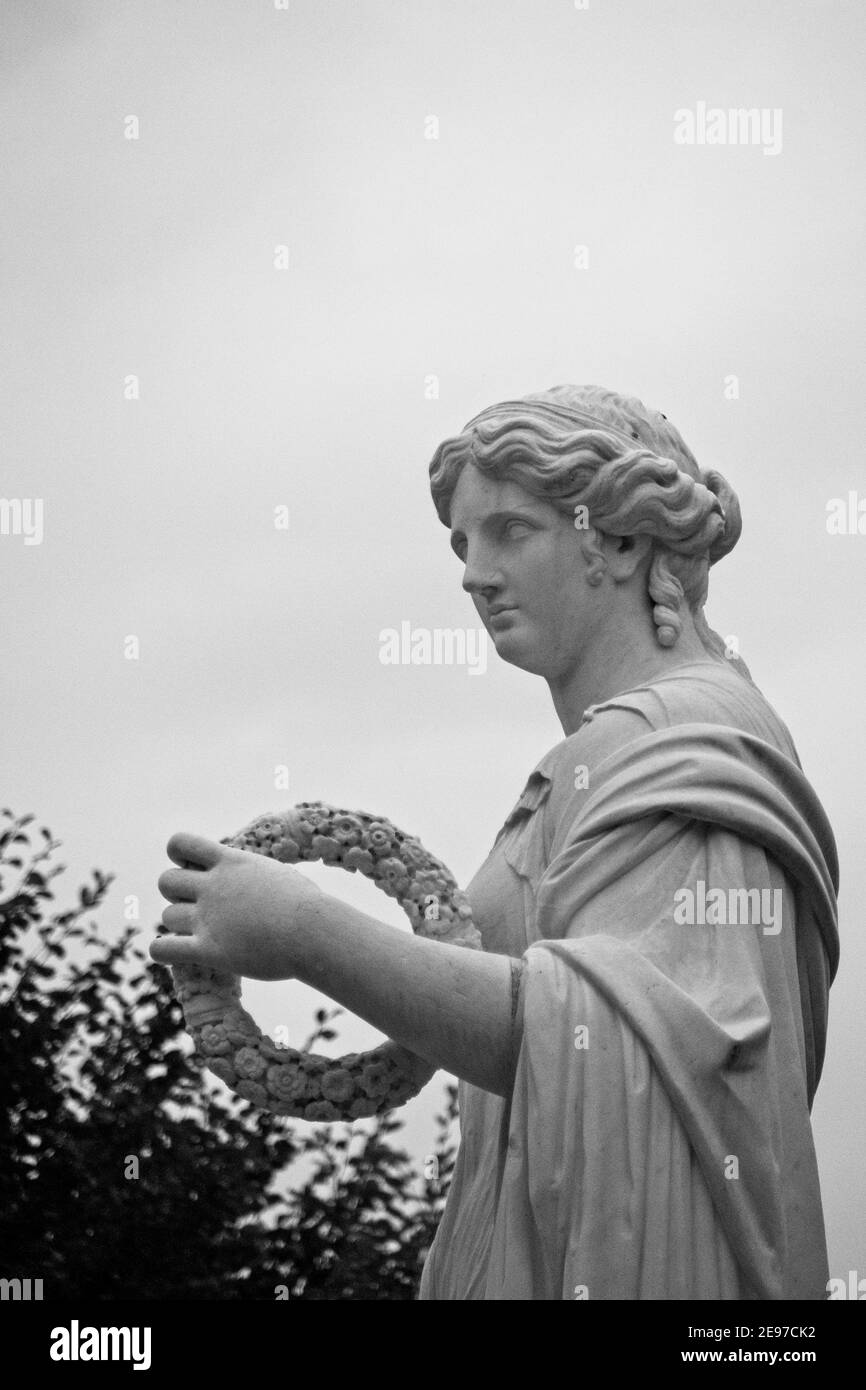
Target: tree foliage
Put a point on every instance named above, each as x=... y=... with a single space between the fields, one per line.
x=127 y=1172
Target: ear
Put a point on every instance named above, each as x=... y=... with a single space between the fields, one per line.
x=626 y=555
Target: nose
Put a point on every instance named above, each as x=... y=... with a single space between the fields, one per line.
x=481 y=576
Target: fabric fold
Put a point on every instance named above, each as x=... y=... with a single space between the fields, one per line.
x=657 y=1140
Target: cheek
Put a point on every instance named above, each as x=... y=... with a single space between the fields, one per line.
x=546 y=582
x=555 y=601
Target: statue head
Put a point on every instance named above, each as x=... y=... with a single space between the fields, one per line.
x=618 y=470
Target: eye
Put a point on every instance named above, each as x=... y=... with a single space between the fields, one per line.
x=519 y=523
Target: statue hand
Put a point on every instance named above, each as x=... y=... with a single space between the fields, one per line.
x=230 y=910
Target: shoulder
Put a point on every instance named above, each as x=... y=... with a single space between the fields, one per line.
x=706 y=693
x=570 y=766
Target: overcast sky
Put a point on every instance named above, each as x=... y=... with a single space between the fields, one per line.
x=488 y=194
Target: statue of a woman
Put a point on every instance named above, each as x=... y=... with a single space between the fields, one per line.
x=639 y=1043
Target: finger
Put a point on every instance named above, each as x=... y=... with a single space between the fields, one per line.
x=180 y=885
x=176 y=950
x=179 y=918
x=193 y=850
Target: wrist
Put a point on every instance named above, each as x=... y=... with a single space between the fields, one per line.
x=309 y=915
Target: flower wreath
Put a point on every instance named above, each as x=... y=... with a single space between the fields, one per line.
x=305 y=1084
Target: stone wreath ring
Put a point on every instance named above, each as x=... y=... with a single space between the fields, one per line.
x=307 y=1085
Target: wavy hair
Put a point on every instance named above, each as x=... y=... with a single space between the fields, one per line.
x=630 y=468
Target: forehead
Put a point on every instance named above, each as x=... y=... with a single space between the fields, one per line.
x=477 y=495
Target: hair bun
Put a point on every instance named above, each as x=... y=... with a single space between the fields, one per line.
x=733 y=522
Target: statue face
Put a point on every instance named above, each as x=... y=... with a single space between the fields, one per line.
x=523 y=556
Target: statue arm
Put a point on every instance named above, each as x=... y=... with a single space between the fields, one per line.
x=456 y=1008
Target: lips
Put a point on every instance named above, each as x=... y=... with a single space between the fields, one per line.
x=500 y=608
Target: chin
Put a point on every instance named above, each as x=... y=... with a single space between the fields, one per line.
x=518 y=652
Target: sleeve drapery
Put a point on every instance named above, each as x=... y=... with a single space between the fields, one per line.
x=657 y=1142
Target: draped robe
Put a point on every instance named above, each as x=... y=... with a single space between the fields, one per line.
x=657 y=1140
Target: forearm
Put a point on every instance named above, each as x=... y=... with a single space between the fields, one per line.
x=452 y=1006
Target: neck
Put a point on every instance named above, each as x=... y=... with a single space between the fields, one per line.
x=610 y=669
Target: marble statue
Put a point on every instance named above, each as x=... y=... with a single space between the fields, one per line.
x=639 y=1042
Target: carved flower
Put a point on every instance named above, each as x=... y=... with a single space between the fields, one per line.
x=325 y=847
x=392 y=872
x=301 y=831
x=222 y=1068
x=347 y=829
x=337 y=1086
x=362 y=1108
x=375 y=1080
x=287 y=850
x=251 y=1090
x=287 y=1083
x=413 y=853
x=357 y=858
x=283 y=1107
x=314 y=1064
x=377 y=838
x=250 y=1064
x=214 y=1040
x=435 y=878
x=321 y=1110
x=316 y=818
